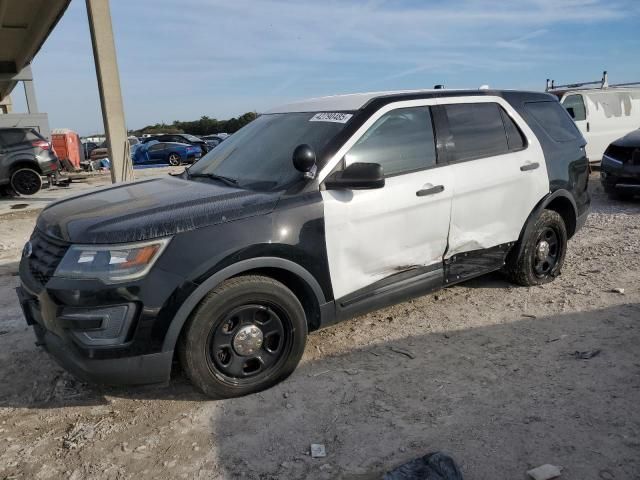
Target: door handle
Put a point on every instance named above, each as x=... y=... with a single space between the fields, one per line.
x=529 y=166
x=430 y=190
x=588 y=129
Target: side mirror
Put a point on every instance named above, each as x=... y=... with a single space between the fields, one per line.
x=357 y=176
x=304 y=160
x=571 y=112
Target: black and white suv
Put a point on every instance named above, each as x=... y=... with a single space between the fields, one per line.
x=313 y=213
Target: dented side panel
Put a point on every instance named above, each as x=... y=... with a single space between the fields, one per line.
x=373 y=234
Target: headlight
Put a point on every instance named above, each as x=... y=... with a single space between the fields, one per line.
x=111 y=263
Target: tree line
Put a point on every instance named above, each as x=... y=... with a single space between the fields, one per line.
x=203 y=126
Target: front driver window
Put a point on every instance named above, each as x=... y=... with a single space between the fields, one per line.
x=401 y=141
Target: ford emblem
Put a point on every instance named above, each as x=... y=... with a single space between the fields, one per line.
x=27 y=250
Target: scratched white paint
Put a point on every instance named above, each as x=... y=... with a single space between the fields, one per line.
x=372 y=234
x=492 y=197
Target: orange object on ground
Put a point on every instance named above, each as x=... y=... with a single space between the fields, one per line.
x=66 y=144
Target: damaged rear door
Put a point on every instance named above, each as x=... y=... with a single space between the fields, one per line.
x=374 y=234
x=499 y=173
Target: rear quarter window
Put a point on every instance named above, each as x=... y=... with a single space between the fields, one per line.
x=16 y=136
x=554 y=120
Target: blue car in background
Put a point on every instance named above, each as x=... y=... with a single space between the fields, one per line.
x=164 y=152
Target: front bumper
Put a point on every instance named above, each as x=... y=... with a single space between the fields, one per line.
x=129 y=370
x=616 y=175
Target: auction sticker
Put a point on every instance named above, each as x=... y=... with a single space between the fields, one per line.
x=335 y=117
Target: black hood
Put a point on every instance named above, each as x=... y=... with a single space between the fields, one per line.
x=630 y=140
x=150 y=209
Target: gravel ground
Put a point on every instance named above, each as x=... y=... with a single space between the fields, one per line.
x=485 y=371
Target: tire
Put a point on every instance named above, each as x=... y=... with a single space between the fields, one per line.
x=220 y=350
x=174 y=160
x=26 y=181
x=532 y=266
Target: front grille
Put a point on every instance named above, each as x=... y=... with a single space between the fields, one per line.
x=46 y=254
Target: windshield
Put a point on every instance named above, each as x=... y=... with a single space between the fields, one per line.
x=259 y=156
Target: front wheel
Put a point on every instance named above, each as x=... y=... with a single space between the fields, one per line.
x=174 y=160
x=246 y=335
x=541 y=256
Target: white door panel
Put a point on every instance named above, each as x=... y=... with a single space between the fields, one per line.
x=493 y=198
x=372 y=234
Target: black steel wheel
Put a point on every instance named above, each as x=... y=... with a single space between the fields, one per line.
x=26 y=181
x=174 y=159
x=245 y=336
x=250 y=339
x=545 y=256
x=539 y=257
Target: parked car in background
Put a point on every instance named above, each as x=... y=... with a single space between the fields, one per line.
x=601 y=111
x=180 y=138
x=620 y=168
x=313 y=213
x=213 y=140
x=89 y=147
x=165 y=152
x=25 y=157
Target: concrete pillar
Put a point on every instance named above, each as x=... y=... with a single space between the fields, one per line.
x=104 y=55
x=30 y=91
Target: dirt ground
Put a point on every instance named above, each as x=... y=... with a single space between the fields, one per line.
x=484 y=371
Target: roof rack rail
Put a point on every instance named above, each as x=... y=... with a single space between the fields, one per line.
x=603 y=83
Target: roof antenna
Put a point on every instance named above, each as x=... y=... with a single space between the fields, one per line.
x=438 y=87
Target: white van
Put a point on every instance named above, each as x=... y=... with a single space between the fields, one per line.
x=601 y=111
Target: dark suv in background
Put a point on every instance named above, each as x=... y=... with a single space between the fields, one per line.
x=620 y=168
x=25 y=157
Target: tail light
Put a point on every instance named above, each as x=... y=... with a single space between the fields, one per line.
x=43 y=144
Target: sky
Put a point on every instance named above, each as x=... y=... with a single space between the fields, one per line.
x=182 y=59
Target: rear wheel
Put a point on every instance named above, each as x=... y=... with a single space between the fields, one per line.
x=246 y=335
x=542 y=253
x=26 y=181
x=174 y=159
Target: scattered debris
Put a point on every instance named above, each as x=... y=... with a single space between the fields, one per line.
x=19 y=206
x=402 y=351
x=318 y=450
x=3 y=332
x=433 y=466
x=528 y=315
x=544 y=472
x=606 y=475
x=555 y=339
x=586 y=355
x=618 y=290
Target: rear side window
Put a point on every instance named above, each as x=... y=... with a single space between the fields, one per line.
x=15 y=136
x=515 y=138
x=477 y=129
x=574 y=104
x=401 y=141
x=554 y=120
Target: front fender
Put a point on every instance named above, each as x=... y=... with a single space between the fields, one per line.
x=220 y=276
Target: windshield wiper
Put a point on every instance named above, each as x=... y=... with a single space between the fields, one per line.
x=213 y=176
